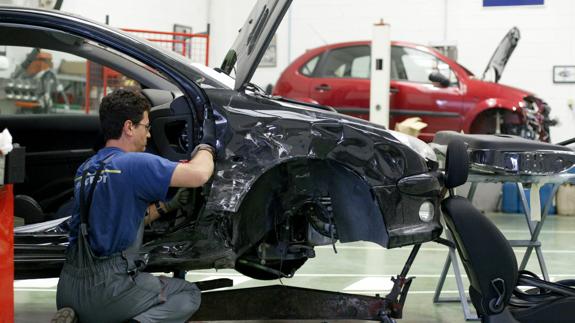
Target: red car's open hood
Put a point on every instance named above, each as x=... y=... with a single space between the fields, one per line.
x=501 y=55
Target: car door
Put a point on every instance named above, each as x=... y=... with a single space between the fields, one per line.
x=342 y=80
x=52 y=89
x=414 y=95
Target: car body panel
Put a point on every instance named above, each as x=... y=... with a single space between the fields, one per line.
x=260 y=132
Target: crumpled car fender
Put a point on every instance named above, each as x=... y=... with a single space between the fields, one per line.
x=261 y=137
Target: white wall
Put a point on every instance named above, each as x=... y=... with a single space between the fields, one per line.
x=143 y=14
x=548 y=33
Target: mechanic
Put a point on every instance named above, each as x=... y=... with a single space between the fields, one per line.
x=114 y=191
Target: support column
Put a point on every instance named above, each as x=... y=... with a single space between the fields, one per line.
x=380 y=74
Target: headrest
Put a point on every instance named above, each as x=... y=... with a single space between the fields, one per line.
x=456 y=164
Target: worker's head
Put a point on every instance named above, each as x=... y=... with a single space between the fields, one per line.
x=124 y=116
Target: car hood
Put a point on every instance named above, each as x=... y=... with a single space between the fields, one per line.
x=499 y=90
x=501 y=55
x=253 y=40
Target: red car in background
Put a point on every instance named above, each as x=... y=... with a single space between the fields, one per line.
x=424 y=83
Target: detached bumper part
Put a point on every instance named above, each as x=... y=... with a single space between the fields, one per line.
x=511 y=155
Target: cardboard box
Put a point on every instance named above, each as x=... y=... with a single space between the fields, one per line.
x=410 y=126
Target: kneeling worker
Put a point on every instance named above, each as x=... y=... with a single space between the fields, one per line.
x=113 y=189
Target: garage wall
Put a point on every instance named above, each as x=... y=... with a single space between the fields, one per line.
x=143 y=14
x=548 y=33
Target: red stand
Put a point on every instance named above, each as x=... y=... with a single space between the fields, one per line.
x=6 y=253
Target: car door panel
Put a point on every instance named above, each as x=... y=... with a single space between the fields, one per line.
x=349 y=96
x=413 y=95
x=438 y=107
x=342 y=80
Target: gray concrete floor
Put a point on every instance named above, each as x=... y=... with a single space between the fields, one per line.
x=362 y=268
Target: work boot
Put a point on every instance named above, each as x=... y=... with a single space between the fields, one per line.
x=65 y=315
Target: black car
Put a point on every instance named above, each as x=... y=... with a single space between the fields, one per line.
x=289 y=176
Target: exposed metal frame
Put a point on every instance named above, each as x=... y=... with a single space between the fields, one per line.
x=278 y=302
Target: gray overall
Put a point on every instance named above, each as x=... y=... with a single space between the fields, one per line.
x=112 y=289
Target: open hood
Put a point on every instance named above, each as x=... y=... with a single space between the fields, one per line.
x=501 y=55
x=253 y=40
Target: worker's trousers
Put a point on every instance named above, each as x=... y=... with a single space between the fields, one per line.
x=107 y=292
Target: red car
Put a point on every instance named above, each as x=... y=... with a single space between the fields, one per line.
x=424 y=83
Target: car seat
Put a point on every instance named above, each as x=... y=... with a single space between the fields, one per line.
x=490 y=262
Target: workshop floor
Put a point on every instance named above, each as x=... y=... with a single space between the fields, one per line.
x=361 y=268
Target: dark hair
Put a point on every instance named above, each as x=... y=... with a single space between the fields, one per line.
x=119 y=106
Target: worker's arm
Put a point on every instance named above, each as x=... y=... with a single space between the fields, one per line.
x=152 y=214
x=201 y=167
x=196 y=172
x=155 y=210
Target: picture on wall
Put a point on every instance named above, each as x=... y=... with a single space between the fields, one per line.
x=564 y=74
x=270 y=56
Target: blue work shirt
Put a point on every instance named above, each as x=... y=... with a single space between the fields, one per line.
x=128 y=184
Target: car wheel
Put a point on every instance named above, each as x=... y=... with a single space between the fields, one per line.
x=497 y=121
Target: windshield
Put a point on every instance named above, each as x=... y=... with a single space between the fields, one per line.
x=203 y=75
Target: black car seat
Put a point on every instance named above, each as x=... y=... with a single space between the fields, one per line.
x=490 y=262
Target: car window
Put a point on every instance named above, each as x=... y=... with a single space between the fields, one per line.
x=347 y=62
x=308 y=68
x=415 y=65
x=47 y=81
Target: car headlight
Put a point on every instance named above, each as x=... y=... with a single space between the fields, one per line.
x=426 y=211
x=423 y=149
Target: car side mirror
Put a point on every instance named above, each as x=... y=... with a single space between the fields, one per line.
x=437 y=77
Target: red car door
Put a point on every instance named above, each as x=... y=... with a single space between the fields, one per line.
x=342 y=80
x=414 y=95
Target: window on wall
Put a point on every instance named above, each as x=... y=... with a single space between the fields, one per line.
x=348 y=62
x=415 y=66
x=48 y=81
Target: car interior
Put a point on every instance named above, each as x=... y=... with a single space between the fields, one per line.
x=57 y=142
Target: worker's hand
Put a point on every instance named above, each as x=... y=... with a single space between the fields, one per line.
x=181 y=199
x=209 y=130
x=208 y=141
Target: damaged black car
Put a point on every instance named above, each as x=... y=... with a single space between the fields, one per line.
x=289 y=176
